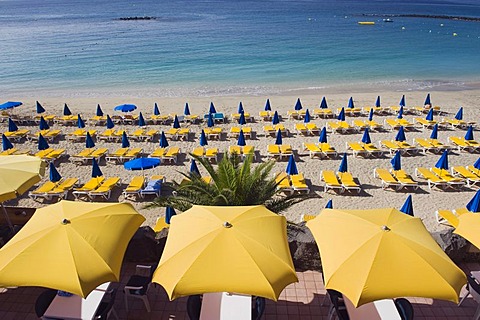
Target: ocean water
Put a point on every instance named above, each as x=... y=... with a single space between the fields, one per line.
x=208 y=47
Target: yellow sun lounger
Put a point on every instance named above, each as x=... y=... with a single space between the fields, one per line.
x=116 y=156
x=88 y=154
x=90 y=185
x=160 y=119
x=331 y=181
x=14 y=151
x=308 y=217
x=339 y=126
x=348 y=182
x=266 y=115
x=327 y=149
x=405 y=179
x=323 y=113
x=283 y=183
x=42 y=190
x=98 y=120
x=388 y=180
x=312 y=129
x=432 y=179
x=79 y=135
x=313 y=149
x=272 y=130
x=62 y=188
x=448 y=217
x=235 y=132
x=17 y=135
x=465 y=145
x=105 y=189
x=132 y=191
x=213 y=133
x=449 y=178
x=285 y=150
x=463 y=172
x=212 y=154
x=301 y=128
x=298 y=183
x=273 y=151
x=54 y=155
x=357 y=149
x=107 y=135
x=426 y=124
x=132 y=154
x=171 y=154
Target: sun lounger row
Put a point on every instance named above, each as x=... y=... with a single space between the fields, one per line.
x=469 y=173
x=320 y=149
x=123 y=154
x=168 y=154
x=439 y=178
x=96 y=187
x=340 y=181
x=395 y=179
x=402 y=146
x=140 y=186
x=278 y=151
x=50 y=190
x=242 y=151
x=291 y=183
x=364 y=149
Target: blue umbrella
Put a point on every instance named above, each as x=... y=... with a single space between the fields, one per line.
x=125 y=142
x=366 y=137
x=99 y=112
x=10 y=105
x=141 y=163
x=377 y=103
x=291 y=166
x=155 y=109
x=6 y=144
x=400 y=135
x=241 y=139
x=341 y=115
x=212 y=108
x=267 y=106
x=194 y=168
x=89 y=141
x=210 y=122
x=370 y=115
x=307 y=117
x=240 y=107
x=298 y=105
x=429 y=116
x=12 y=127
x=40 y=109
x=42 y=143
x=169 y=213
x=66 y=110
x=276 y=118
x=80 y=122
x=474 y=204
x=396 y=161
x=427 y=100
x=163 y=140
x=242 y=119
x=402 y=101
x=278 y=139
x=141 y=120
x=110 y=123
x=350 y=103
x=477 y=164
x=96 y=172
x=43 y=124
x=459 y=115
x=54 y=175
x=176 y=123
x=323 y=104
x=323 y=135
x=469 y=134
x=329 y=204
x=442 y=163
x=434 y=134
x=203 y=139
x=407 y=207
x=343 y=165
x=125 y=107
x=400 y=113
x=186 y=110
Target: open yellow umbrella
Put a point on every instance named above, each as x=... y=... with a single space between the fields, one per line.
x=226 y=249
x=70 y=246
x=376 y=254
x=469 y=227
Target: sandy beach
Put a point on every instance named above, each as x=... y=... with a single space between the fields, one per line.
x=425 y=201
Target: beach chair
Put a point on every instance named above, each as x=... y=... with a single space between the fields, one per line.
x=55 y=154
x=235 y=132
x=132 y=191
x=339 y=127
x=391 y=146
x=352 y=112
x=376 y=110
x=373 y=125
x=313 y=129
x=90 y=185
x=214 y=133
x=105 y=189
x=116 y=156
x=273 y=151
x=285 y=150
x=211 y=154
x=454 y=182
x=61 y=189
x=198 y=152
x=395 y=124
x=266 y=115
x=313 y=149
x=15 y=152
x=98 y=154
x=236 y=116
x=106 y=135
x=138 y=134
x=98 y=120
x=406 y=180
x=387 y=179
x=158 y=153
x=43 y=153
x=82 y=155
x=433 y=180
x=191 y=118
x=283 y=183
x=331 y=181
x=463 y=172
x=323 y=113
x=298 y=183
x=79 y=135
x=153 y=186
x=307 y=217
x=426 y=124
x=359 y=124
x=171 y=155
x=160 y=119
x=437 y=144
x=348 y=182
x=131 y=154
x=51 y=134
x=327 y=149
x=406 y=148
x=42 y=190
x=118 y=135
x=293 y=114
x=272 y=130
x=447 y=217
x=372 y=149
x=425 y=146
x=301 y=128
x=66 y=120
x=357 y=149
x=465 y=145
x=17 y=135
x=184 y=134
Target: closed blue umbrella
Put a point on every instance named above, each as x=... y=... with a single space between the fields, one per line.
x=377 y=103
x=402 y=101
x=442 y=163
x=212 y=108
x=267 y=106
x=370 y=115
x=241 y=139
x=54 y=175
x=291 y=166
x=298 y=105
x=323 y=135
x=400 y=113
x=169 y=213
x=477 y=164
x=186 y=110
x=42 y=143
x=427 y=100
x=10 y=105
x=125 y=142
x=323 y=104
x=350 y=103
x=89 y=141
x=343 y=165
x=240 y=107
x=156 y=111
x=12 y=127
x=176 y=123
x=66 y=110
x=163 y=140
x=329 y=204
x=474 y=204
x=407 y=207
x=396 y=161
x=276 y=118
x=242 y=119
x=341 y=115
x=125 y=107
x=40 y=109
x=469 y=134
x=434 y=134
x=307 y=117
x=210 y=122
x=110 y=123
x=400 y=135
x=141 y=164
x=96 y=172
x=459 y=115
x=194 y=168
x=278 y=139
x=141 y=120
x=366 y=137
x=203 y=139
x=80 y=122
x=429 y=116
x=6 y=144
x=99 y=112
x=43 y=124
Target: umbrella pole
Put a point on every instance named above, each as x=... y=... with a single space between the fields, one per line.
x=7 y=218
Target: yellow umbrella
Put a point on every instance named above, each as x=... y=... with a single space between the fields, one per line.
x=469 y=227
x=70 y=246
x=376 y=254
x=17 y=175
x=226 y=249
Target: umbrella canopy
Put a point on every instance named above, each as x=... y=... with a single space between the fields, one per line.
x=329 y=204
x=163 y=140
x=89 y=141
x=267 y=105
x=469 y=134
x=10 y=105
x=377 y=103
x=442 y=163
x=80 y=122
x=66 y=110
x=169 y=213
x=477 y=164
x=186 y=110
x=343 y=165
x=240 y=108
x=54 y=175
x=402 y=102
x=42 y=143
x=276 y=118
x=383 y=253
x=210 y=122
x=278 y=139
x=400 y=135
x=248 y=244
x=306 y=119
x=459 y=115
x=341 y=115
x=43 y=125
x=350 y=103
x=427 y=100
x=125 y=107
x=241 y=139
x=203 y=139
x=39 y=107
x=12 y=126
x=291 y=166
x=407 y=207
x=70 y=246
x=323 y=104
x=474 y=204
x=366 y=137
x=212 y=108
x=96 y=172
x=434 y=134
x=176 y=123
x=298 y=105
x=125 y=142
x=141 y=163
x=194 y=168
x=156 y=111
x=242 y=119
x=110 y=123
x=429 y=116
x=6 y=144
x=400 y=113
x=396 y=161
x=370 y=115
x=99 y=112
x=323 y=135
x=141 y=120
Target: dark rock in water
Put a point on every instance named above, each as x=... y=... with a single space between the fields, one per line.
x=144 y=247
x=303 y=248
x=136 y=18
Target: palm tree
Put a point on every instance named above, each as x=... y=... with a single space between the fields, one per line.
x=233 y=184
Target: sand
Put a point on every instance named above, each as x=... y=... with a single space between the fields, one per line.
x=425 y=201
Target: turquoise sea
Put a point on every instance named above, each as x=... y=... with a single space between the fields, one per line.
x=208 y=47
